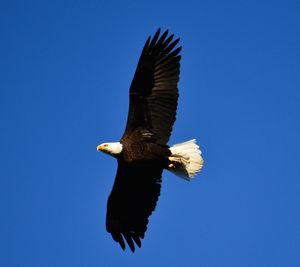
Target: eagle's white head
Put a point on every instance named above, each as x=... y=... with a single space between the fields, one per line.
x=112 y=149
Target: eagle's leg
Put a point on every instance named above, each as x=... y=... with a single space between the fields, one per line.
x=171 y=166
x=174 y=162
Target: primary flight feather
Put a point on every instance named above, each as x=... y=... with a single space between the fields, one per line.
x=142 y=152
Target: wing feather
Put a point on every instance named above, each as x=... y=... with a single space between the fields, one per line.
x=132 y=200
x=155 y=85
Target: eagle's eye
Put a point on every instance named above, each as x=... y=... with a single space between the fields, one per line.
x=105 y=145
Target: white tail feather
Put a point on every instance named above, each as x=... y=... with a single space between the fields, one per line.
x=187 y=159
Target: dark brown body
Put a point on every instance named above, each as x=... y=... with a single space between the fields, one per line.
x=138 y=148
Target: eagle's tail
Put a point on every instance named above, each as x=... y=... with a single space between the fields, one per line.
x=185 y=160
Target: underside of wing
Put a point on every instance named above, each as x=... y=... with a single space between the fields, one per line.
x=132 y=200
x=154 y=90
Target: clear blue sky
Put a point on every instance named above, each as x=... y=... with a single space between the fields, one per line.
x=65 y=69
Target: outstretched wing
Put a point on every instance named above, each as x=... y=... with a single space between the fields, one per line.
x=153 y=91
x=132 y=200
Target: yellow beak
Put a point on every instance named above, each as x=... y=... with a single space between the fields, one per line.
x=100 y=148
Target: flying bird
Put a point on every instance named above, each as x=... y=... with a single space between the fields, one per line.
x=143 y=153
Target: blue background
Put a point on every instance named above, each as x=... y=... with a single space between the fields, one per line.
x=65 y=69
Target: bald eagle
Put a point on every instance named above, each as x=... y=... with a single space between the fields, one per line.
x=142 y=152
